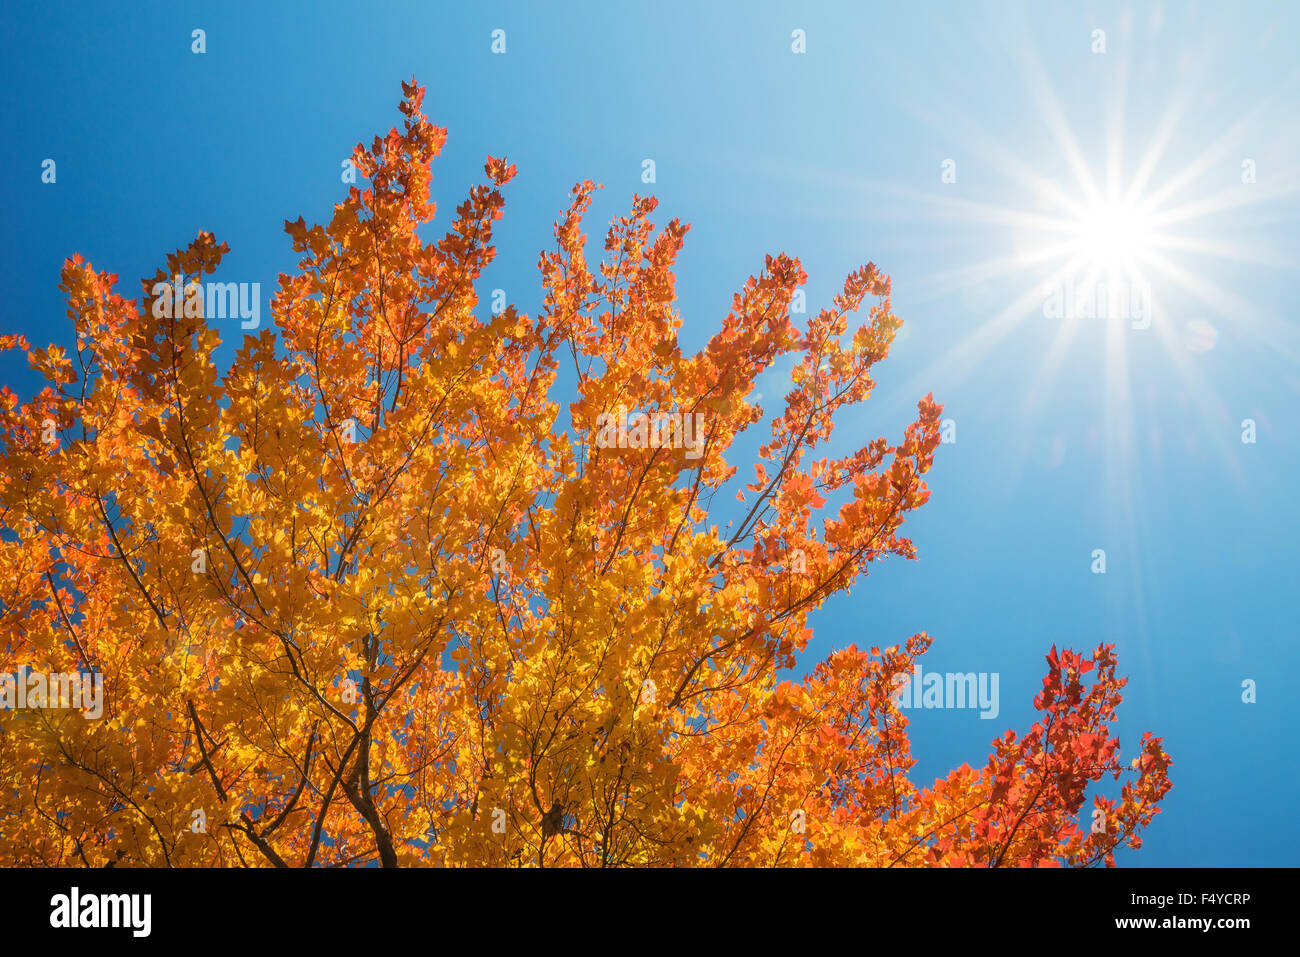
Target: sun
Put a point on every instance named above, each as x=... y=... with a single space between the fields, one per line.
x=1109 y=262
x=1114 y=236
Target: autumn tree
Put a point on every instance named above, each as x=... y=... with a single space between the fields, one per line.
x=373 y=593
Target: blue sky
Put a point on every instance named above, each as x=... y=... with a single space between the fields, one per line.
x=1072 y=435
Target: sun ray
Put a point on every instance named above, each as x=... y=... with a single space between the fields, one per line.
x=1253 y=322
x=1050 y=109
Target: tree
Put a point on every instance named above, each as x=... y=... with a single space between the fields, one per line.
x=372 y=595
